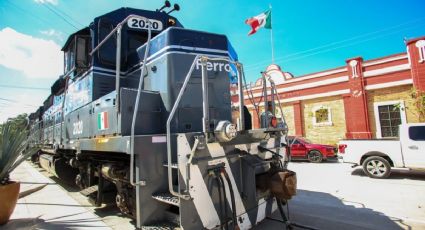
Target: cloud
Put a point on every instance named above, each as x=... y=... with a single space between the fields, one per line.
x=34 y=57
x=53 y=33
x=54 y=2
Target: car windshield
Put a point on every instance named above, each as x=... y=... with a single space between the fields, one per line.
x=305 y=140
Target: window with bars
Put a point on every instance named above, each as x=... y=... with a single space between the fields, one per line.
x=389 y=119
x=322 y=116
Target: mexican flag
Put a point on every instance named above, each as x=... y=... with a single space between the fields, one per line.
x=262 y=20
x=102 y=121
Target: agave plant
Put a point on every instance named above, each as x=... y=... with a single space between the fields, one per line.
x=14 y=148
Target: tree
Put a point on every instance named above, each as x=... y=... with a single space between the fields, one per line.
x=419 y=101
x=17 y=123
x=13 y=145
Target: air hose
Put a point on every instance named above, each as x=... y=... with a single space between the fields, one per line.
x=215 y=173
x=220 y=179
x=232 y=198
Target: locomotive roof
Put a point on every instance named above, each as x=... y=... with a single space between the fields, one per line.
x=58 y=86
x=85 y=30
x=116 y=16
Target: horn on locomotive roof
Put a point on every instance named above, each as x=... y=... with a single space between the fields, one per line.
x=176 y=8
x=166 y=5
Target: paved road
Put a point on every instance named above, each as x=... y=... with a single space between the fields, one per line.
x=330 y=196
x=334 y=196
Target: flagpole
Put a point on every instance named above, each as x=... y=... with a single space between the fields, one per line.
x=271 y=33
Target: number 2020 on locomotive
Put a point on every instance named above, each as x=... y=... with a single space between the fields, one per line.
x=139 y=23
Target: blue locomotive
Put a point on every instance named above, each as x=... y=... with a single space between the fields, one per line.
x=143 y=115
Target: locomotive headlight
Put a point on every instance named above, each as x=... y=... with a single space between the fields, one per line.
x=225 y=131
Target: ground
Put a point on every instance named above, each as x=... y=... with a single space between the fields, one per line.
x=331 y=195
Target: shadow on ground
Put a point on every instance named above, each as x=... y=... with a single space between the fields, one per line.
x=395 y=174
x=68 y=186
x=108 y=212
x=327 y=212
x=316 y=209
x=60 y=222
x=112 y=211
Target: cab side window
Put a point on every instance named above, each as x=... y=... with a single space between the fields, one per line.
x=417 y=133
x=76 y=53
x=107 y=51
x=69 y=57
x=82 y=51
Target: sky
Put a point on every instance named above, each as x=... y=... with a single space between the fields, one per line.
x=309 y=36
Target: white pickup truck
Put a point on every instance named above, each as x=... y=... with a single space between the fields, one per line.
x=378 y=156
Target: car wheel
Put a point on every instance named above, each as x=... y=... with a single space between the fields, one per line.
x=315 y=156
x=376 y=167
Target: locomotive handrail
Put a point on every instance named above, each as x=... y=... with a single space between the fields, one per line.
x=240 y=72
x=63 y=107
x=241 y=97
x=205 y=111
x=273 y=86
x=170 y=117
x=117 y=84
x=205 y=101
x=136 y=105
x=118 y=51
x=116 y=28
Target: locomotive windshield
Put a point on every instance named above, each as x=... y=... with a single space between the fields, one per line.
x=82 y=50
x=136 y=39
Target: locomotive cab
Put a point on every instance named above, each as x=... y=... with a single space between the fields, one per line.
x=78 y=57
x=133 y=34
x=76 y=53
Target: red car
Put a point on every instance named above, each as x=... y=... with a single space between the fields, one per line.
x=302 y=148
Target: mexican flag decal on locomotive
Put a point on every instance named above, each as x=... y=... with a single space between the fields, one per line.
x=102 y=121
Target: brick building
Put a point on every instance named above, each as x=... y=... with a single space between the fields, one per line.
x=363 y=99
